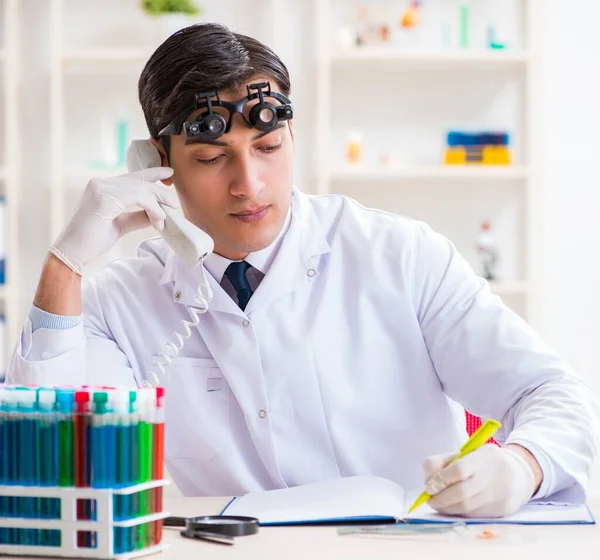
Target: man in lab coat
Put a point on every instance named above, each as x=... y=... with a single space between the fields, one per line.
x=339 y=341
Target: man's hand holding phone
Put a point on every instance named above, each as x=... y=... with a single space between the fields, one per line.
x=104 y=214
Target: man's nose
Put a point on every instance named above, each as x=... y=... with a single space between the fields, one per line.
x=247 y=183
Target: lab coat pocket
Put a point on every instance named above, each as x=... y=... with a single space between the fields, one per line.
x=196 y=409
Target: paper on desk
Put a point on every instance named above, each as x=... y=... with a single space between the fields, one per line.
x=532 y=514
x=368 y=498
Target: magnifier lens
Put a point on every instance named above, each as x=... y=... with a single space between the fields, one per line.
x=220 y=521
x=234 y=526
x=215 y=125
x=266 y=115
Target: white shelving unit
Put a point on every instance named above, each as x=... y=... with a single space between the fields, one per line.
x=398 y=182
x=69 y=179
x=434 y=68
x=430 y=173
x=9 y=173
x=104 y=55
x=378 y=55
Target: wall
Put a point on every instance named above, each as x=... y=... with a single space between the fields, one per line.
x=571 y=121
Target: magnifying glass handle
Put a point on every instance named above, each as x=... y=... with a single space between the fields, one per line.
x=206 y=536
x=174 y=522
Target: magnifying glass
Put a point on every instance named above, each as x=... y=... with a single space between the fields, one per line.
x=215 y=528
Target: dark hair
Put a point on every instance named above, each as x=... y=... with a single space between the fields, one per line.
x=200 y=58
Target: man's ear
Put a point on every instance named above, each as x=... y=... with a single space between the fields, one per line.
x=164 y=159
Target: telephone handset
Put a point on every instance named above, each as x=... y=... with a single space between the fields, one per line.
x=187 y=240
x=191 y=243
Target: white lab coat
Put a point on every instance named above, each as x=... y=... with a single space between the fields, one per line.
x=349 y=359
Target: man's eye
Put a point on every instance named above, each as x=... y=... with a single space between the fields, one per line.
x=210 y=161
x=271 y=149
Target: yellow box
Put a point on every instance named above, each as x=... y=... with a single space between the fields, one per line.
x=455 y=156
x=496 y=155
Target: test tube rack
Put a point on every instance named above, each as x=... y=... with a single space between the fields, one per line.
x=69 y=525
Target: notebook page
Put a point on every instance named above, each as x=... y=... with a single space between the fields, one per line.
x=531 y=513
x=351 y=497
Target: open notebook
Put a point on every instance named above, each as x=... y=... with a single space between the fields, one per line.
x=367 y=499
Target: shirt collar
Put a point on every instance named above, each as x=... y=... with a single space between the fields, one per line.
x=261 y=260
x=306 y=238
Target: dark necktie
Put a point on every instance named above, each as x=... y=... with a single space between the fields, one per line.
x=236 y=273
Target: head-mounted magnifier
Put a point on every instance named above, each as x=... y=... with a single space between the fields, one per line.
x=210 y=125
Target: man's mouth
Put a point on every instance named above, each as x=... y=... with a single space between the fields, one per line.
x=254 y=214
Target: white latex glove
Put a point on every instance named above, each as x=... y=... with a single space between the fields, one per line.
x=103 y=215
x=488 y=482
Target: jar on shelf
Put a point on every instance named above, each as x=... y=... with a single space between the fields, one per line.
x=354 y=148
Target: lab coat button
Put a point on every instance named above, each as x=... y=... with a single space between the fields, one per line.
x=245 y=322
x=177 y=295
x=262 y=413
x=310 y=272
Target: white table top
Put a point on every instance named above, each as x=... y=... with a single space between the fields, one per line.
x=323 y=542
x=312 y=543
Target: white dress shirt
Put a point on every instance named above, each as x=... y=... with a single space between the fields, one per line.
x=260 y=262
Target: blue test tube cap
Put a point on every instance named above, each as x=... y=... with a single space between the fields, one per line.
x=66 y=400
x=132 y=399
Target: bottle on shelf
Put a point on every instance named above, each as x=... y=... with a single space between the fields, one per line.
x=372 y=27
x=488 y=252
x=354 y=148
x=411 y=17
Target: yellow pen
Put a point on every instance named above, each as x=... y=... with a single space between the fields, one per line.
x=479 y=437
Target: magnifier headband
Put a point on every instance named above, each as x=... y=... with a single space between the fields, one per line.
x=210 y=125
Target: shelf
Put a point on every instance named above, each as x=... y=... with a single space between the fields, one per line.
x=509 y=288
x=432 y=173
x=430 y=58
x=4 y=293
x=105 y=55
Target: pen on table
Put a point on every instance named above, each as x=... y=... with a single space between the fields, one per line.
x=479 y=437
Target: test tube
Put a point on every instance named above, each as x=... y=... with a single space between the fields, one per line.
x=4 y=458
x=28 y=444
x=48 y=456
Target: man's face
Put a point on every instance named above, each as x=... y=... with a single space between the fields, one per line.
x=237 y=188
